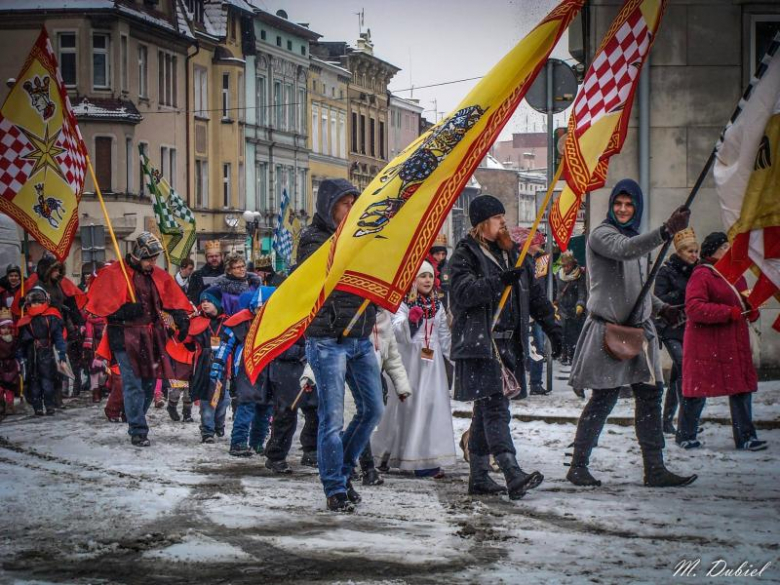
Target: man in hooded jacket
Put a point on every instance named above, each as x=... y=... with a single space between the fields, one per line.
x=336 y=359
x=615 y=256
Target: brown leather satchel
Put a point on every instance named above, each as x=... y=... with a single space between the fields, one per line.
x=622 y=342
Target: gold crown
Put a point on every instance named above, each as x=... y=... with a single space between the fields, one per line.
x=212 y=245
x=684 y=237
x=264 y=261
x=441 y=240
x=5 y=315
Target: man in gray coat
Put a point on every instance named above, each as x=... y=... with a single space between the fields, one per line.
x=614 y=258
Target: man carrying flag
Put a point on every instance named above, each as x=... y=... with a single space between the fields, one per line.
x=42 y=154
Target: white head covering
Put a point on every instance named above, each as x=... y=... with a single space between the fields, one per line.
x=426 y=268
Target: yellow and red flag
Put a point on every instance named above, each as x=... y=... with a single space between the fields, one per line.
x=747 y=177
x=43 y=158
x=378 y=248
x=598 y=126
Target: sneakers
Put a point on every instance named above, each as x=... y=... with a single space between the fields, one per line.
x=754 y=445
x=278 y=466
x=687 y=445
x=173 y=412
x=309 y=459
x=207 y=439
x=340 y=503
x=238 y=450
x=372 y=477
x=140 y=441
x=539 y=390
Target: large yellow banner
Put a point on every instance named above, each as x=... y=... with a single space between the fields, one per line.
x=42 y=154
x=378 y=248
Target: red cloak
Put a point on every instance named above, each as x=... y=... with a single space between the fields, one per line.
x=69 y=289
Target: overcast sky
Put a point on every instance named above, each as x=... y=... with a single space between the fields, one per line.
x=432 y=41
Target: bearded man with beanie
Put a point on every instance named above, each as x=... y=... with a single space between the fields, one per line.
x=137 y=332
x=336 y=359
x=482 y=265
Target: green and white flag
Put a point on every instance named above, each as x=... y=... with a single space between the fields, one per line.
x=174 y=219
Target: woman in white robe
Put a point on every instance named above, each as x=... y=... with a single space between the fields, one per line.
x=417 y=434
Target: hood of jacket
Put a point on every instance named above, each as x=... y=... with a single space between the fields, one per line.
x=330 y=191
x=632 y=189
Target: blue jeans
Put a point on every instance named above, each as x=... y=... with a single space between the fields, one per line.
x=211 y=418
x=138 y=394
x=250 y=423
x=334 y=363
x=537 y=368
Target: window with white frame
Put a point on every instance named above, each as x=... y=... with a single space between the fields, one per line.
x=101 y=70
x=262 y=100
x=172 y=168
x=241 y=187
x=762 y=30
x=278 y=106
x=143 y=71
x=315 y=128
x=128 y=164
x=164 y=168
x=300 y=198
x=123 y=61
x=240 y=97
x=225 y=96
x=324 y=130
x=143 y=149
x=289 y=98
x=166 y=78
x=66 y=45
x=279 y=178
x=201 y=87
x=201 y=183
x=292 y=190
x=226 y=191
x=334 y=134
x=302 y=110
x=261 y=185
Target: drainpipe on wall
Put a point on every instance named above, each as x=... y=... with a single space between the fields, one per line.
x=644 y=143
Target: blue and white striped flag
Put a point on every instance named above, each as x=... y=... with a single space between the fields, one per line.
x=286 y=233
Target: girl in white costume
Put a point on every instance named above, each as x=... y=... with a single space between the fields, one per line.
x=416 y=434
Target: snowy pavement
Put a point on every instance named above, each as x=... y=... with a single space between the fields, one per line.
x=80 y=505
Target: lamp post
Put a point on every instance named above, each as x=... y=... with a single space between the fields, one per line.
x=252 y=220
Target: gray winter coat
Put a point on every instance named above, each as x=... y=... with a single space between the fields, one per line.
x=617 y=271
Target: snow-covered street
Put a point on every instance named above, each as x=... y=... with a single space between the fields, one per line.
x=80 y=505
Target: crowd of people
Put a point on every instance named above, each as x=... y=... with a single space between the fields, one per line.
x=135 y=335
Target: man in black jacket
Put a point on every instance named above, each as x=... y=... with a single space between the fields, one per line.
x=482 y=265
x=205 y=276
x=336 y=359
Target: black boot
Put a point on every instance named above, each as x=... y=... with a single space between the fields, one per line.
x=278 y=466
x=579 y=474
x=309 y=459
x=517 y=481
x=173 y=411
x=186 y=414
x=480 y=482
x=656 y=474
x=371 y=477
x=352 y=494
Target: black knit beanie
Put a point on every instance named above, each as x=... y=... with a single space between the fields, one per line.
x=484 y=207
x=712 y=242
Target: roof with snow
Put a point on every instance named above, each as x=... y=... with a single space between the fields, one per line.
x=107 y=109
x=491 y=162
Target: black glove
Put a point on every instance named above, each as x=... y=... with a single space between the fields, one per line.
x=678 y=221
x=511 y=276
x=672 y=315
x=129 y=311
x=182 y=324
x=556 y=344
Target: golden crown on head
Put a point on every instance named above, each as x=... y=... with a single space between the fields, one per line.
x=684 y=237
x=5 y=315
x=212 y=246
x=441 y=240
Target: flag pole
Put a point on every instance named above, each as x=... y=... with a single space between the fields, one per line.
x=527 y=245
x=110 y=229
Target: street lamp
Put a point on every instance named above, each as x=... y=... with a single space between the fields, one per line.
x=252 y=220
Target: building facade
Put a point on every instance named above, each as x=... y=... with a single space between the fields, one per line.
x=277 y=123
x=329 y=127
x=404 y=127
x=123 y=64
x=368 y=105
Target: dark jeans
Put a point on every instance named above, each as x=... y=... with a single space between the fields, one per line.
x=741 y=407
x=490 y=434
x=213 y=419
x=674 y=392
x=283 y=430
x=250 y=423
x=137 y=393
x=41 y=391
x=647 y=420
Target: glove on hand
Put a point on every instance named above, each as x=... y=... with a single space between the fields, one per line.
x=511 y=276
x=415 y=315
x=678 y=221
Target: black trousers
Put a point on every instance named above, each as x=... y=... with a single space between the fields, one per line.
x=572 y=326
x=674 y=392
x=490 y=434
x=283 y=430
x=647 y=420
x=741 y=407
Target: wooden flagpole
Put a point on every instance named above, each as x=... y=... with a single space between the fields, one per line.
x=527 y=245
x=119 y=257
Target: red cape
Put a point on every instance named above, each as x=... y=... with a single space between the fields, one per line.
x=240 y=317
x=49 y=312
x=69 y=289
x=109 y=291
